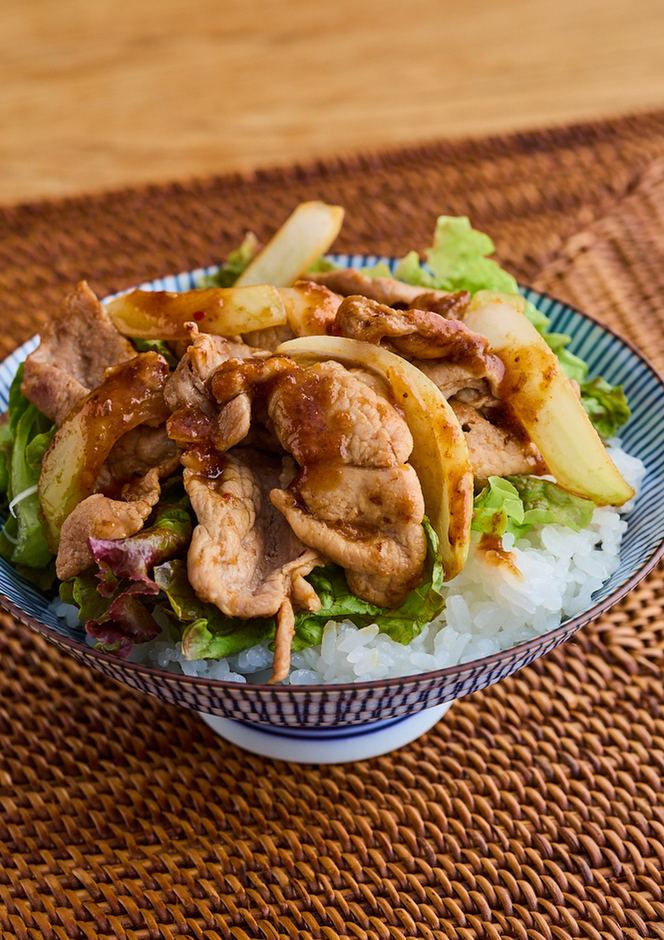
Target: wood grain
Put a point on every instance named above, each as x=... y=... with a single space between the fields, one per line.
x=98 y=94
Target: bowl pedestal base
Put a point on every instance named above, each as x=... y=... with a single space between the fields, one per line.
x=327 y=746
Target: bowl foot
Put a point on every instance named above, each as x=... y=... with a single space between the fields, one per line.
x=327 y=746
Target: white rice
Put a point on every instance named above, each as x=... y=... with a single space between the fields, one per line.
x=488 y=609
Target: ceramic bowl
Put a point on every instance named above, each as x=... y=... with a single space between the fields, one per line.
x=332 y=723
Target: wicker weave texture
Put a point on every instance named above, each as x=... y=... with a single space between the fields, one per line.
x=535 y=809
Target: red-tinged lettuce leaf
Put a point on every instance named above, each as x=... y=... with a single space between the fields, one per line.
x=127 y=622
x=117 y=621
x=116 y=601
x=606 y=406
x=81 y=592
x=134 y=557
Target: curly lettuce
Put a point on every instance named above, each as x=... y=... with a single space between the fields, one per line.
x=24 y=439
x=116 y=600
x=514 y=504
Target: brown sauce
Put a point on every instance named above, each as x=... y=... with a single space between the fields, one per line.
x=490 y=547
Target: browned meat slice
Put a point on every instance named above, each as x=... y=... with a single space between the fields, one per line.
x=496 y=450
x=270 y=337
x=415 y=334
x=338 y=426
x=195 y=416
x=355 y=500
x=396 y=294
x=76 y=348
x=456 y=379
x=186 y=387
x=99 y=516
x=367 y=519
x=244 y=557
x=326 y=413
x=222 y=431
x=135 y=454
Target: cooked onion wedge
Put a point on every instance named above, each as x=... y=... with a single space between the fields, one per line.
x=302 y=239
x=544 y=400
x=225 y=311
x=131 y=394
x=440 y=454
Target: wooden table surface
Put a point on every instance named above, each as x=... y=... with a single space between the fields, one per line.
x=97 y=94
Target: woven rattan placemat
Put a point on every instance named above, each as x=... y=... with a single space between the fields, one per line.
x=535 y=809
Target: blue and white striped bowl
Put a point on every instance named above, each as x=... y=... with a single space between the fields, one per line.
x=348 y=721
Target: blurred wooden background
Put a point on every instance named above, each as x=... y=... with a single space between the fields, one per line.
x=96 y=94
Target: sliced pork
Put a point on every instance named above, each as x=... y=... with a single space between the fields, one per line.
x=186 y=387
x=393 y=293
x=244 y=557
x=76 y=348
x=416 y=334
x=350 y=442
x=102 y=517
x=496 y=450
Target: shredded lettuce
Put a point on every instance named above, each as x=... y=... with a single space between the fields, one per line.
x=514 y=504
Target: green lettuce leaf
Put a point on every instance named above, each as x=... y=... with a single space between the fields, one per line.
x=606 y=405
x=514 y=504
x=206 y=632
x=25 y=438
x=5 y=458
x=402 y=624
x=159 y=346
x=458 y=260
x=81 y=591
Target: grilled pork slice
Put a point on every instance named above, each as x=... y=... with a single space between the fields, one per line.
x=205 y=353
x=396 y=294
x=422 y=336
x=369 y=519
x=339 y=429
x=496 y=450
x=244 y=557
x=76 y=348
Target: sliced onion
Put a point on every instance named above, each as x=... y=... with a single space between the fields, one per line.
x=302 y=239
x=545 y=402
x=440 y=453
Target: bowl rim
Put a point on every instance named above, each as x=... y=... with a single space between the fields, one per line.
x=564 y=630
